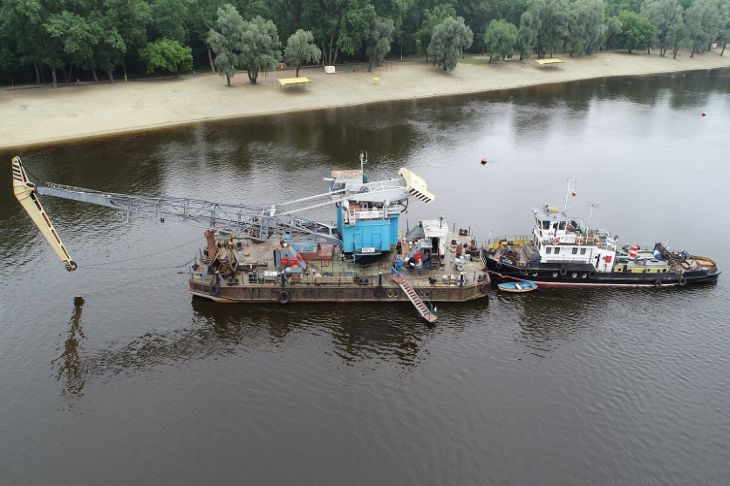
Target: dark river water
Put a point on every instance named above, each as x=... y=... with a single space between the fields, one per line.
x=114 y=375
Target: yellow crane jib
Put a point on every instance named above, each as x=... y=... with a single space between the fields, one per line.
x=416 y=186
x=27 y=196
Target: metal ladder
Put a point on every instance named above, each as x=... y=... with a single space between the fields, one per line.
x=414 y=298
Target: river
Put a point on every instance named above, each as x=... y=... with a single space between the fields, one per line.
x=114 y=375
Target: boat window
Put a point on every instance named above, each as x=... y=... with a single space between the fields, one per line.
x=549 y=249
x=546 y=225
x=582 y=251
x=557 y=250
x=562 y=225
x=575 y=251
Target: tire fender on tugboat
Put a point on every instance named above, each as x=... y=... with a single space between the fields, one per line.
x=563 y=271
x=484 y=288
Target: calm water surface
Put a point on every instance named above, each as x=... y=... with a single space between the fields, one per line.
x=113 y=375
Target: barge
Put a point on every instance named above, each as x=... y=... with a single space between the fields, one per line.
x=272 y=254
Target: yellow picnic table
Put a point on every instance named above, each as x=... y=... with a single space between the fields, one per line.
x=300 y=81
x=549 y=62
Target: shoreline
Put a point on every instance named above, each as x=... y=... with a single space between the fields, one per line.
x=65 y=114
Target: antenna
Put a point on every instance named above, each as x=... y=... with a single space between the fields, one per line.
x=569 y=191
x=590 y=212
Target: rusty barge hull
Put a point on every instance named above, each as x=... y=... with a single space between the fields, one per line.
x=300 y=294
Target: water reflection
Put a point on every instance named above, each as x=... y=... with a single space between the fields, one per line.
x=229 y=330
x=69 y=363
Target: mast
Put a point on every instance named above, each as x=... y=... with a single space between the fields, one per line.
x=568 y=192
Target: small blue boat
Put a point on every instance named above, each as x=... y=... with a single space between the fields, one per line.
x=522 y=286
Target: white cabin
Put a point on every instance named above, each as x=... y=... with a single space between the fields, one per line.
x=561 y=238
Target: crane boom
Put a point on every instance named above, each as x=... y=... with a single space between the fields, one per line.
x=25 y=193
x=254 y=222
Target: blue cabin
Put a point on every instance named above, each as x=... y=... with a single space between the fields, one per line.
x=367 y=213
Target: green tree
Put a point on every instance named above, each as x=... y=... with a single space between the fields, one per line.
x=664 y=15
x=553 y=26
x=723 y=36
x=397 y=11
x=703 y=24
x=129 y=20
x=171 y=19
x=676 y=33
x=432 y=18
x=79 y=37
x=339 y=26
x=204 y=16
x=586 y=26
x=377 y=45
x=226 y=41
x=259 y=47
x=167 y=55
x=23 y=23
x=300 y=49
x=500 y=38
x=613 y=31
x=448 y=42
x=527 y=35
x=636 y=31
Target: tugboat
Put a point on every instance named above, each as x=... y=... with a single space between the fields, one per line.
x=564 y=251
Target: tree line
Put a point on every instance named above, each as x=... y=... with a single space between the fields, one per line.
x=65 y=40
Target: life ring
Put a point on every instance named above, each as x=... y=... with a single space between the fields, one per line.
x=215 y=289
x=284 y=297
x=682 y=281
x=379 y=291
x=563 y=271
x=498 y=265
x=484 y=288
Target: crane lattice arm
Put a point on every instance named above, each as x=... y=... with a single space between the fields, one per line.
x=25 y=192
x=254 y=222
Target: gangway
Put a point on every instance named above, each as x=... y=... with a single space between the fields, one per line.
x=415 y=299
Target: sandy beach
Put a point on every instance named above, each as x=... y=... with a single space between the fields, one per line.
x=44 y=115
